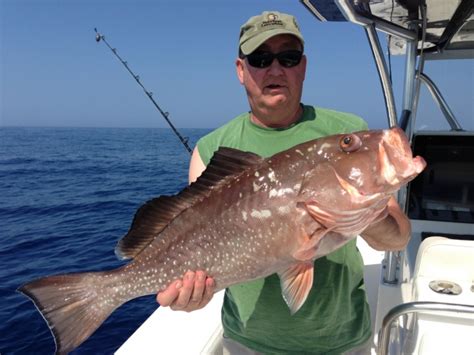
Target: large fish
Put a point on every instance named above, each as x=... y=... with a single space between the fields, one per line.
x=245 y=218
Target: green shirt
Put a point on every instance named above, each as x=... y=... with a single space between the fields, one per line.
x=335 y=316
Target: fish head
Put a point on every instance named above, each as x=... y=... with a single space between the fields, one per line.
x=369 y=165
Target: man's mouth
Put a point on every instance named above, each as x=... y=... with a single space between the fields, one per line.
x=274 y=87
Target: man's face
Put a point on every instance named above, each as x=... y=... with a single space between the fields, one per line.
x=274 y=89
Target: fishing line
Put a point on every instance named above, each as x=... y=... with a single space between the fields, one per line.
x=184 y=140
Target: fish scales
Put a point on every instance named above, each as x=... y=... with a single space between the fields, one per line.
x=247 y=232
x=245 y=218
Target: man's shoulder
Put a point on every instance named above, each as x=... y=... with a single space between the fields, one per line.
x=344 y=121
x=227 y=128
x=221 y=136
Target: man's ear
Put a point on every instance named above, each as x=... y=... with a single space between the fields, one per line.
x=239 y=67
x=304 y=64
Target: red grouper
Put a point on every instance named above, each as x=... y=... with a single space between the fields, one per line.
x=245 y=218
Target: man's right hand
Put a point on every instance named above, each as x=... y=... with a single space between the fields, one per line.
x=193 y=292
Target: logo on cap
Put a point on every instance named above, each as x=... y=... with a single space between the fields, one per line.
x=272 y=20
x=272 y=17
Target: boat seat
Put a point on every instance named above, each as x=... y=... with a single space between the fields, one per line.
x=444 y=272
x=444 y=264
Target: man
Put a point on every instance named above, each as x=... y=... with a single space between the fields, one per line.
x=335 y=317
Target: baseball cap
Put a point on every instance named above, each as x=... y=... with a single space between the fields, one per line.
x=262 y=27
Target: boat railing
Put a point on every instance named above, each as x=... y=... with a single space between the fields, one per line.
x=431 y=308
x=371 y=24
x=439 y=99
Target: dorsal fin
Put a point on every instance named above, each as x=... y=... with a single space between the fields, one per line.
x=152 y=217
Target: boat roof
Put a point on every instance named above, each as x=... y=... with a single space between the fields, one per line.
x=449 y=26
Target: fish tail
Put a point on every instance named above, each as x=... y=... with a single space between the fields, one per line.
x=73 y=305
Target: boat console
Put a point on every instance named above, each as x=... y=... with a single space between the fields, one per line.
x=444 y=191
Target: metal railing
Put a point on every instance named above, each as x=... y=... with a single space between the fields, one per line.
x=357 y=14
x=432 y=308
x=439 y=99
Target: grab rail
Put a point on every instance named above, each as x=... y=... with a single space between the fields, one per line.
x=439 y=99
x=434 y=308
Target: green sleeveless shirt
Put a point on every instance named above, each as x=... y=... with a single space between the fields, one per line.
x=335 y=316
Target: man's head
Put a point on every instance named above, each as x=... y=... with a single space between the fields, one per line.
x=260 y=28
x=272 y=67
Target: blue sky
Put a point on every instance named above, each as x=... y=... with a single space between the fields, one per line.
x=53 y=73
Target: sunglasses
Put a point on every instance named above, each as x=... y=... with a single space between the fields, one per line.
x=287 y=59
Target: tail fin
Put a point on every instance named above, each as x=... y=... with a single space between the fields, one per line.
x=74 y=306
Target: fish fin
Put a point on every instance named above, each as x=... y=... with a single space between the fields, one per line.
x=350 y=222
x=296 y=283
x=226 y=163
x=309 y=247
x=153 y=217
x=70 y=306
x=149 y=221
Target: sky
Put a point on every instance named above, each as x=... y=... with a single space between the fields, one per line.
x=54 y=73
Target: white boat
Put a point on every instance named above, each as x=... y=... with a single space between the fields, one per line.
x=421 y=299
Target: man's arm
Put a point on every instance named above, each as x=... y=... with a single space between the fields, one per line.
x=196 y=166
x=195 y=290
x=391 y=233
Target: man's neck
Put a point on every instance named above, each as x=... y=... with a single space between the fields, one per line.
x=276 y=120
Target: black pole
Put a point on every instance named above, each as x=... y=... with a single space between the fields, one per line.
x=98 y=38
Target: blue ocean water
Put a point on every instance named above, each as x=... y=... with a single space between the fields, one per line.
x=66 y=196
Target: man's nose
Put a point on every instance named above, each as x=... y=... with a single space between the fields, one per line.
x=275 y=68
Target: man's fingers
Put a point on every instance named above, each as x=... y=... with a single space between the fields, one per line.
x=192 y=293
x=208 y=292
x=168 y=296
x=185 y=292
x=199 y=285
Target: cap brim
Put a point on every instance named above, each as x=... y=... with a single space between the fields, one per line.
x=253 y=43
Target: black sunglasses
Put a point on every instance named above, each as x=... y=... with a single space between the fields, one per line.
x=287 y=59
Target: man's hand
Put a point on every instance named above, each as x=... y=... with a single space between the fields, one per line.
x=193 y=292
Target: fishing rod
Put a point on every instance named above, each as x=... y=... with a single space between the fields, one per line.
x=184 y=140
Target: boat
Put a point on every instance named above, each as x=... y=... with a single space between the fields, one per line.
x=421 y=298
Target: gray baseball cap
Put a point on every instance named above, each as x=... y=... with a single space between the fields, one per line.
x=262 y=27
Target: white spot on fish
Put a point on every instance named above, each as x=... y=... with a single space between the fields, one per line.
x=284 y=209
x=355 y=175
x=271 y=176
x=280 y=192
x=299 y=152
x=273 y=193
x=244 y=215
x=256 y=187
x=323 y=148
x=285 y=191
x=257 y=174
x=261 y=214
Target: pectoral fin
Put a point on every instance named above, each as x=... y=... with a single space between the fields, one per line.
x=296 y=282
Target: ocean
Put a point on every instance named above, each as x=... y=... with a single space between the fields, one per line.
x=67 y=195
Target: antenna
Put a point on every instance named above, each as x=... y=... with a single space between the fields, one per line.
x=184 y=140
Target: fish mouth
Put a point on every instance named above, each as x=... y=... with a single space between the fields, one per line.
x=397 y=164
x=396 y=167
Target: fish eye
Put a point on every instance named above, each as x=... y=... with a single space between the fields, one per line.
x=350 y=143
